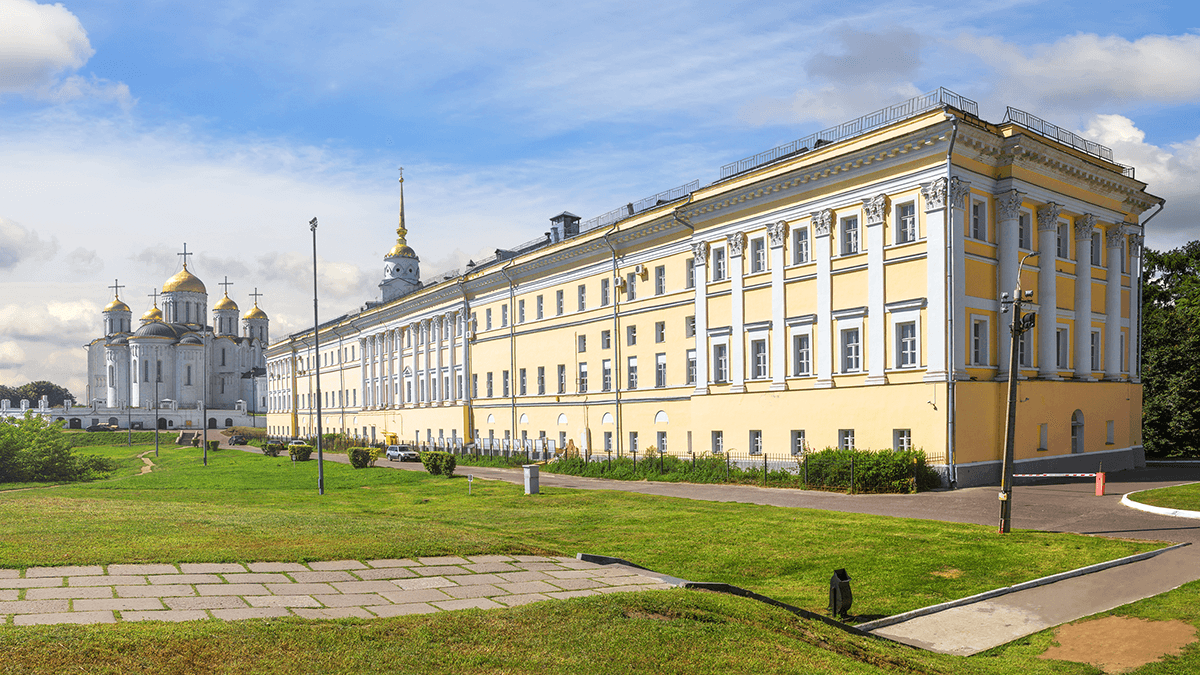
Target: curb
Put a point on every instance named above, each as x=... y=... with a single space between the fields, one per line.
x=1162 y=511
x=988 y=595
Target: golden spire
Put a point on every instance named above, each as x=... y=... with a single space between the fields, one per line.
x=401 y=249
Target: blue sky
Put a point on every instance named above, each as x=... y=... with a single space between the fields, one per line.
x=128 y=128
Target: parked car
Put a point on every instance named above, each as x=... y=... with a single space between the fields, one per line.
x=402 y=453
x=237 y=440
x=102 y=427
x=297 y=442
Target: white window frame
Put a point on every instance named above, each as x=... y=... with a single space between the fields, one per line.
x=1097 y=354
x=798 y=441
x=720 y=264
x=1062 y=240
x=1062 y=347
x=1025 y=232
x=660 y=280
x=582 y=296
x=604 y=286
x=758 y=255
x=691 y=366
x=849 y=236
x=801 y=249
x=755 y=442
x=660 y=370
x=904 y=233
x=981 y=348
x=521 y=311
x=979 y=219
x=797 y=327
x=1097 y=248
x=851 y=350
x=760 y=371
x=717 y=367
x=631 y=372
x=718 y=442
x=902 y=439
x=689 y=273
x=845 y=439
x=606 y=375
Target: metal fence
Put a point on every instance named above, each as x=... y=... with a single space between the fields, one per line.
x=633 y=208
x=1055 y=132
x=910 y=108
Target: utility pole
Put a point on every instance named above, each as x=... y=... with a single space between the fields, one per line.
x=317 y=359
x=1020 y=324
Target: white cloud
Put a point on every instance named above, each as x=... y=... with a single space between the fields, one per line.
x=68 y=322
x=37 y=42
x=20 y=244
x=11 y=356
x=84 y=262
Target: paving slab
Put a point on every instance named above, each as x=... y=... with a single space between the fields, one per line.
x=513 y=577
x=443 y=560
x=483 y=568
x=65 y=571
x=153 y=591
x=9 y=574
x=563 y=595
x=66 y=592
x=211 y=568
x=526 y=587
x=166 y=615
x=521 y=599
x=300 y=589
x=63 y=617
x=251 y=613
x=533 y=558
x=31 y=583
x=409 y=597
x=474 y=579
x=281 y=601
x=468 y=603
x=426 y=582
x=473 y=591
x=9 y=595
x=576 y=584
x=253 y=578
x=632 y=589
x=402 y=610
x=209 y=602
x=482 y=559
x=333 y=613
x=358 y=599
x=34 y=606
x=438 y=570
x=539 y=566
x=385 y=573
x=107 y=580
x=231 y=589
x=363 y=586
x=117 y=604
x=329 y=565
x=277 y=567
x=136 y=569
x=309 y=577
x=393 y=562
x=184 y=579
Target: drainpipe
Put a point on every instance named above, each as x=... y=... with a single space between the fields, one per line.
x=1162 y=204
x=512 y=351
x=616 y=340
x=950 y=314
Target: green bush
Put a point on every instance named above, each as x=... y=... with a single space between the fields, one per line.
x=272 y=449
x=213 y=446
x=34 y=450
x=360 y=458
x=439 y=463
x=91 y=438
x=300 y=453
x=895 y=471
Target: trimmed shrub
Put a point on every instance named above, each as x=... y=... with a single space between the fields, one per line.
x=300 y=453
x=360 y=458
x=272 y=449
x=439 y=463
x=213 y=446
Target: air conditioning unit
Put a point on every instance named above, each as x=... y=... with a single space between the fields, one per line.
x=639 y=270
x=619 y=283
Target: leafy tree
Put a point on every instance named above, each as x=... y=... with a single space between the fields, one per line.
x=34 y=391
x=1171 y=343
x=32 y=449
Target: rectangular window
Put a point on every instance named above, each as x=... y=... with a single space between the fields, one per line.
x=504 y=382
x=1096 y=350
x=755 y=441
x=849 y=228
x=801 y=355
x=1023 y=350
x=662 y=441
x=540 y=312
x=660 y=331
x=1063 y=337
x=631 y=335
x=718 y=264
x=558 y=303
x=1043 y=436
x=845 y=439
x=188 y=376
x=689 y=272
x=1064 y=241
x=660 y=370
x=851 y=351
x=1109 y=433
x=1025 y=231
x=474 y=386
x=604 y=292
x=606 y=339
x=631 y=286
x=562 y=378
x=606 y=375
x=583 y=383
x=758 y=255
x=906 y=344
x=521 y=374
x=720 y=363
x=608 y=438
x=902 y=439
x=503 y=315
x=581 y=343
x=689 y=326
x=520 y=311
x=660 y=280
x=980 y=337
x=541 y=380
x=979 y=220
x=906 y=223
x=487 y=322
x=758 y=359
x=798 y=442
x=1096 y=244
x=800 y=254
x=718 y=442
x=631 y=370
x=489 y=385
x=633 y=439
x=582 y=292
x=691 y=366
x=1121 y=353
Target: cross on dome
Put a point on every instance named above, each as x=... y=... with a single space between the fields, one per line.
x=227 y=283
x=116 y=286
x=256 y=295
x=185 y=254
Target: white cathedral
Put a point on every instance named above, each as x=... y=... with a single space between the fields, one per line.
x=192 y=369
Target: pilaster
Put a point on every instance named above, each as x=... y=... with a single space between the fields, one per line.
x=1112 y=303
x=956 y=222
x=937 y=326
x=874 y=210
x=737 y=341
x=700 y=252
x=1084 y=225
x=778 y=234
x=823 y=332
x=1008 y=215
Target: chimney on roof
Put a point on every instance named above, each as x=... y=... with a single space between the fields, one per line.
x=563 y=226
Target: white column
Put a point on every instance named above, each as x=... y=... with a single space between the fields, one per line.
x=700 y=252
x=427 y=329
x=1047 y=321
x=823 y=333
x=452 y=326
x=464 y=319
x=937 y=326
x=1008 y=215
x=1083 y=296
x=439 y=327
x=380 y=370
x=1112 y=303
x=1135 y=310
x=874 y=210
x=958 y=192
x=778 y=232
x=737 y=341
x=362 y=371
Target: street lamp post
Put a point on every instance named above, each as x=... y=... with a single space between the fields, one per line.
x=1020 y=324
x=317 y=357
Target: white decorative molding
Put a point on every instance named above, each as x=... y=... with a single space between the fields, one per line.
x=1048 y=217
x=821 y=221
x=1008 y=204
x=958 y=192
x=874 y=209
x=1135 y=245
x=700 y=251
x=778 y=232
x=1083 y=227
x=737 y=243
x=1114 y=236
x=934 y=194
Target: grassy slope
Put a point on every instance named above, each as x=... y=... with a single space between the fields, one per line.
x=1185 y=497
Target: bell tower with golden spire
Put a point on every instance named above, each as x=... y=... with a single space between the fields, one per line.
x=402 y=267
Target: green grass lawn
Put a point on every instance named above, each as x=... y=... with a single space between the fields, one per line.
x=1186 y=497
x=249 y=507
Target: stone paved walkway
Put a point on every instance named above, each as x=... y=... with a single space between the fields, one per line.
x=318 y=590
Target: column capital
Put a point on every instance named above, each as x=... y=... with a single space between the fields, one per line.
x=1135 y=245
x=1009 y=204
x=958 y=192
x=821 y=221
x=737 y=243
x=778 y=232
x=1048 y=217
x=1114 y=236
x=1083 y=226
x=700 y=251
x=875 y=208
x=934 y=194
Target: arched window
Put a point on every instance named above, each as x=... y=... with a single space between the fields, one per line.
x=1077 y=431
x=607 y=418
x=661 y=417
x=228 y=422
x=562 y=418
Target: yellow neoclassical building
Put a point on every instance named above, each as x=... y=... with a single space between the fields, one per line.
x=842 y=290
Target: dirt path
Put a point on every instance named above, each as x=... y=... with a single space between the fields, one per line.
x=146 y=460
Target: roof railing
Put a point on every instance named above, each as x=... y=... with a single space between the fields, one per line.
x=633 y=208
x=856 y=127
x=1054 y=132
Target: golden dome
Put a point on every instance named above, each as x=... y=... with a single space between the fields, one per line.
x=226 y=303
x=184 y=281
x=255 y=313
x=153 y=314
x=401 y=251
x=117 y=306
